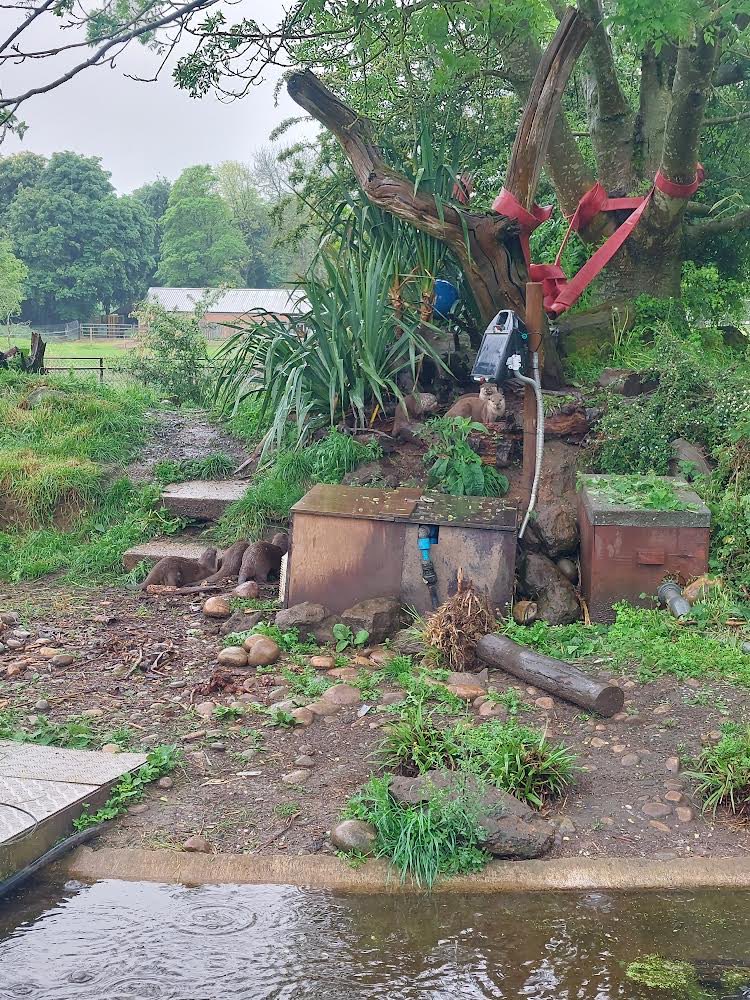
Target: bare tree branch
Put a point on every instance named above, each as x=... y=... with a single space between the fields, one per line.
x=715 y=227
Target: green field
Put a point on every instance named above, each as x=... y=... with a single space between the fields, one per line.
x=70 y=350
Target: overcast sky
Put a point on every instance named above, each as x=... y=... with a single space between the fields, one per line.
x=143 y=130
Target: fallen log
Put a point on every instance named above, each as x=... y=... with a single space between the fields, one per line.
x=554 y=676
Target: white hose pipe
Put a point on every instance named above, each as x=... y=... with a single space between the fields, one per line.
x=536 y=385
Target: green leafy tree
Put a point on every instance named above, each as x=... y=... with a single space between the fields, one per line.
x=236 y=185
x=154 y=197
x=86 y=250
x=18 y=171
x=13 y=273
x=201 y=244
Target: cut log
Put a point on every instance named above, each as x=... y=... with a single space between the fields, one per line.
x=558 y=678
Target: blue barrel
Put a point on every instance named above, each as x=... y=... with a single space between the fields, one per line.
x=446 y=296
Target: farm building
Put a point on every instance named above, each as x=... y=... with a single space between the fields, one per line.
x=229 y=306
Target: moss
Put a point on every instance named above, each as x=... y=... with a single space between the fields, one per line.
x=665 y=974
x=734 y=979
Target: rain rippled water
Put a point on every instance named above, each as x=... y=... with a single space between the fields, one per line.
x=141 y=941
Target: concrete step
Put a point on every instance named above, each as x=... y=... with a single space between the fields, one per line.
x=151 y=552
x=203 y=500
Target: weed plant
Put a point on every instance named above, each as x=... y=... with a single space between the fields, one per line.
x=641 y=492
x=131 y=787
x=306 y=682
x=722 y=772
x=218 y=466
x=453 y=466
x=441 y=837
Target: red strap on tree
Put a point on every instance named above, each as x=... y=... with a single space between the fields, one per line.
x=559 y=293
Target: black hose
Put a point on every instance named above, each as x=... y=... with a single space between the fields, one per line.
x=74 y=840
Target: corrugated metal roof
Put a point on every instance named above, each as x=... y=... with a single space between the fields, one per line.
x=230 y=300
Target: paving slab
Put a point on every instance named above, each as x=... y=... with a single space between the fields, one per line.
x=43 y=789
x=203 y=500
x=151 y=552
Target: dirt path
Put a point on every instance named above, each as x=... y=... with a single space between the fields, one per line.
x=183 y=434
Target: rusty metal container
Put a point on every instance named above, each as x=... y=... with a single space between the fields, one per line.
x=627 y=552
x=349 y=544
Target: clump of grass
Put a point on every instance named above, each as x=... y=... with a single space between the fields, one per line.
x=278 y=486
x=218 y=466
x=659 y=973
x=516 y=758
x=722 y=772
x=287 y=639
x=306 y=682
x=647 y=639
x=92 y=551
x=75 y=734
x=510 y=699
x=441 y=837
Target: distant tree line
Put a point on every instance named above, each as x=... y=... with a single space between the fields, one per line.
x=72 y=248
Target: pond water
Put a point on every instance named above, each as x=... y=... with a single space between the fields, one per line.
x=141 y=941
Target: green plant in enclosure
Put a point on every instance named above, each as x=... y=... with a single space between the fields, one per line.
x=440 y=837
x=345 y=637
x=722 y=772
x=218 y=466
x=130 y=788
x=678 y=978
x=453 y=466
x=641 y=492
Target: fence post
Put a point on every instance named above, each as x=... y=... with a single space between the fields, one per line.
x=101 y=370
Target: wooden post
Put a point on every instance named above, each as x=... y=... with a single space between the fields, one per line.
x=535 y=324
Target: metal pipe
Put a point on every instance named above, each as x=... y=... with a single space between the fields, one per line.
x=536 y=384
x=670 y=593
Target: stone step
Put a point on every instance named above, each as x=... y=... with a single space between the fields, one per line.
x=151 y=552
x=203 y=500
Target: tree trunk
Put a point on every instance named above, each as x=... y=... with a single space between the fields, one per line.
x=633 y=272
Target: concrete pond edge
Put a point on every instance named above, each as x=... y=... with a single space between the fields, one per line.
x=325 y=872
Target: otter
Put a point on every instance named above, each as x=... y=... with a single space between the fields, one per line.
x=486 y=408
x=414 y=406
x=177 y=571
x=261 y=560
x=230 y=563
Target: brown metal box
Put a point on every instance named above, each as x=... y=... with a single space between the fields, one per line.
x=349 y=544
x=626 y=552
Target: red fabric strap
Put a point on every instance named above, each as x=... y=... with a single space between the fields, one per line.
x=559 y=293
x=673 y=190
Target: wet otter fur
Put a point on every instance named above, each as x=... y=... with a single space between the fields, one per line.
x=179 y=571
x=262 y=560
x=230 y=563
x=486 y=408
x=417 y=405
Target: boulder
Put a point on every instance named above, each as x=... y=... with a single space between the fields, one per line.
x=305 y=616
x=380 y=617
x=554 y=595
x=553 y=529
x=688 y=460
x=354 y=835
x=406 y=643
x=511 y=828
x=626 y=382
x=373 y=473
x=341 y=694
x=240 y=621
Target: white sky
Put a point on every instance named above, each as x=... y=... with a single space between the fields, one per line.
x=143 y=130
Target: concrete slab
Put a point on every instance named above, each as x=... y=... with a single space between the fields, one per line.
x=43 y=789
x=203 y=500
x=151 y=552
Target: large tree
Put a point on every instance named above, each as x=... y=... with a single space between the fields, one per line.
x=86 y=250
x=201 y=244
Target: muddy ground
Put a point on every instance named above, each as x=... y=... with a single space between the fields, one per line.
x=137 y=659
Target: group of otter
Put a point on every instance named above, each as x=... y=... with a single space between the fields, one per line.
x=487 y=407
x=258 y=561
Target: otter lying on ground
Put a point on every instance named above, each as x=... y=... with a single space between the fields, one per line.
x=262 y=560
x=178 y=571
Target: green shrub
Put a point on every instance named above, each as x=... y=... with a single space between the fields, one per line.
x=171 y=354
x=276 y=488
x=722 y=772
x=453 y=466
x=441 y=837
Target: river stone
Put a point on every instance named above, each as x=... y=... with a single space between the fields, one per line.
x=197 y=844
x=10 y=617
x=406 y=642
x=304 y=760
x=233 y=656
x=62 y=660
x=323 y=662
x=491 y=710
x=217 y=607
x=263 y=652
x=354 y=835
x=305 y=616
x=553 y=529
x=248 y=589
x=298 y=777
x=685 y=452
x=343 y=673
x=656 y=809
x=323 y=709
x=303 y=716
x=380 y=617
x=466 y=690
x=341 y=694
x=249 y=642
x=511 y=828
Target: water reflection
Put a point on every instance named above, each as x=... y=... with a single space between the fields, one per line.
x=140 y=941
